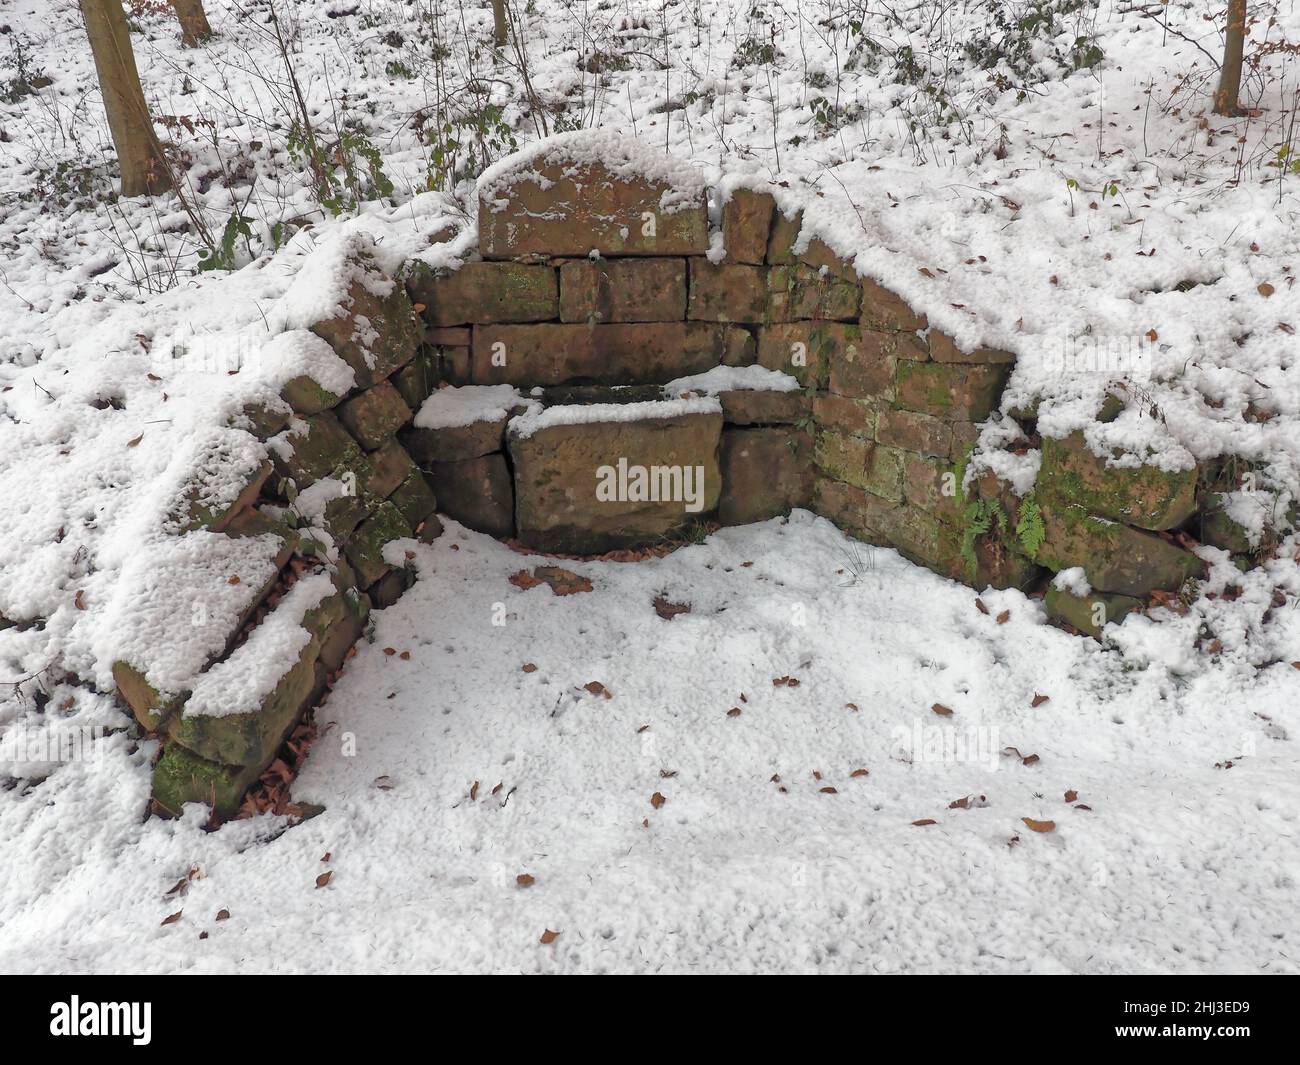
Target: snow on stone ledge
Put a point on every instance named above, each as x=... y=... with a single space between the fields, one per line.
x=1073 y=580
x=525 y=425
x=733 y=379
x=324 y=281
x=241 y=683
x=624 y=158
x=451 y=408
x=301 y=352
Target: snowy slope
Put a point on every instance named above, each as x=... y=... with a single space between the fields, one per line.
x=448 y=773
x=1014 y=213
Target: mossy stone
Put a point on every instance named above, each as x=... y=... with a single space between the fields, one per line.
x=415 y=499
x=1115 y=557
x=365 y=551
x=323 y=448
x=373 y=416
x=150 y=707
x=181 y=776
x=1145 y=496
x=1090 y=613
x=252 y=738
x=306 y=396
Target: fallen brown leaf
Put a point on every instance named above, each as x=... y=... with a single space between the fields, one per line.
x=223 y=915
x=523 y=579
x=562 y=581
x=324 y=878
x=1038 y=700
x=925 y=821
x=172 y=918
x=525 y=880
x=549 y=937
x=1039 y=826
x=529 y=667
x=669 y=610
x=596 y=688
x=941 y=710
x=657 y=800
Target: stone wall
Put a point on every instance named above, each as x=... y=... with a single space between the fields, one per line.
x=606 y=330
x=337 y=471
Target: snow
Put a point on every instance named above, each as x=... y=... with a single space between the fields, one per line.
x=624 y=158
x=1073 y=580
x=295 y=352
x=240 y=683
x=450 y=408
x=125 y=375
x=733 y=379
x=525 y=425
x=736 y=871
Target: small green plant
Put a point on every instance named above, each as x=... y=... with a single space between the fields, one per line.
x=754 y=52
x=978 y=520
x=222 y=257
x=466 y=143
x=346 y=175
x=1030 y=532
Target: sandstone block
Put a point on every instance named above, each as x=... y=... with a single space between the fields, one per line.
x=765 y=472
x=756 y=407
x=1145 y=496
x=950 y=392
x=882 y=309
x=479 y=493
x=485 y=292
x=650 y=353
x=1090 y=613
x=806 y=350
x=727 y=292
x=374 y=333
x=797 y=291
x=373 y=416
x=591 y=190
x=596 y=486
x=944 y=349
x=873 y=467
x=922 y=433
x=623 y=290
x=746 y=224
x=1115 y=557
x=365 y=550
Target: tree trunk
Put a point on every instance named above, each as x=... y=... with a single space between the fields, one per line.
x=139 y=154
x=499 y=22
x=194 y=22
x=1234 y=45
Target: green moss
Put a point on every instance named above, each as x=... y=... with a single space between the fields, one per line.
x=1143 y=496
x=181 y=776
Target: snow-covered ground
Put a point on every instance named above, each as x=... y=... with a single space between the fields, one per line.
x=1105 y=201
x=449 y=768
